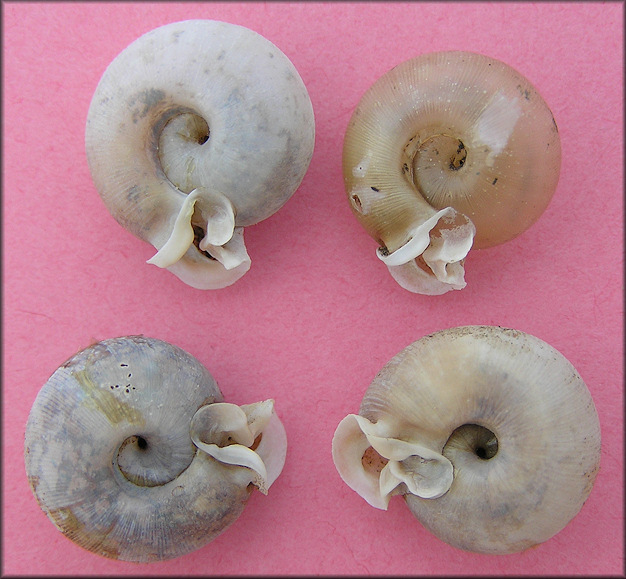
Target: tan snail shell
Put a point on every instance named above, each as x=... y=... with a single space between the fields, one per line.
x=196 y=130
x=447 y=151
x=132 y=453
x=488 y=433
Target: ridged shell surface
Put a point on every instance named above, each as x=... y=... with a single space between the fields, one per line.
x=110 y=458
x=511 y=419
x=404 y=137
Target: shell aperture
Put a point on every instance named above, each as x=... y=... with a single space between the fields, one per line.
x=219 y=231
x=115 y=451
x=425 y=473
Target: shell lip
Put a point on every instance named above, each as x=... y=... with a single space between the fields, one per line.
x=229 y=433
x=403 y=467
x=432 y=261
x=204 y=249
x=203 y=273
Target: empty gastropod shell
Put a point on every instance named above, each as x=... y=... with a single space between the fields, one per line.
x=445 y=152
x=489 y=434
x=196 y=130
x=133 y=454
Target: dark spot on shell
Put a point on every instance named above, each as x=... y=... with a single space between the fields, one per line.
x=556 y=128
x=524 y=92
x=33 y=481
x=149 y=98
x=133 y=194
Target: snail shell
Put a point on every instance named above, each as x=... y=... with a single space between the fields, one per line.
x=132 y=453
x=489 y=434
x=196 y=130
x=447 y=151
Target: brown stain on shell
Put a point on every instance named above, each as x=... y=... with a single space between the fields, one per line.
x=106 y=402
x=97 y=542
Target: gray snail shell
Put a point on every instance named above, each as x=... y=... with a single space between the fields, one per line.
x=445 y=152
x=133 y=455
x=196 y=130
x=489 y=434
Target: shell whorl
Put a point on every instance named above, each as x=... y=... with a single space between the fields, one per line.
x=202 y=107
x=496 y=438
x=449 y=148
x=133 y=455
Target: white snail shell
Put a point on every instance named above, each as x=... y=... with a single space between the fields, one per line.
x=445 y=152
x=489 y=434
x=196 y=130
x=132 y=453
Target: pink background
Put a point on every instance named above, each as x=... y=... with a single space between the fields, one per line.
x=317 y=315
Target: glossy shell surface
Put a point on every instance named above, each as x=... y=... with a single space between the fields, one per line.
x=452 y=149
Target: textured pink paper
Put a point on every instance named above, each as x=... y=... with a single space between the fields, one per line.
x=317 y=315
